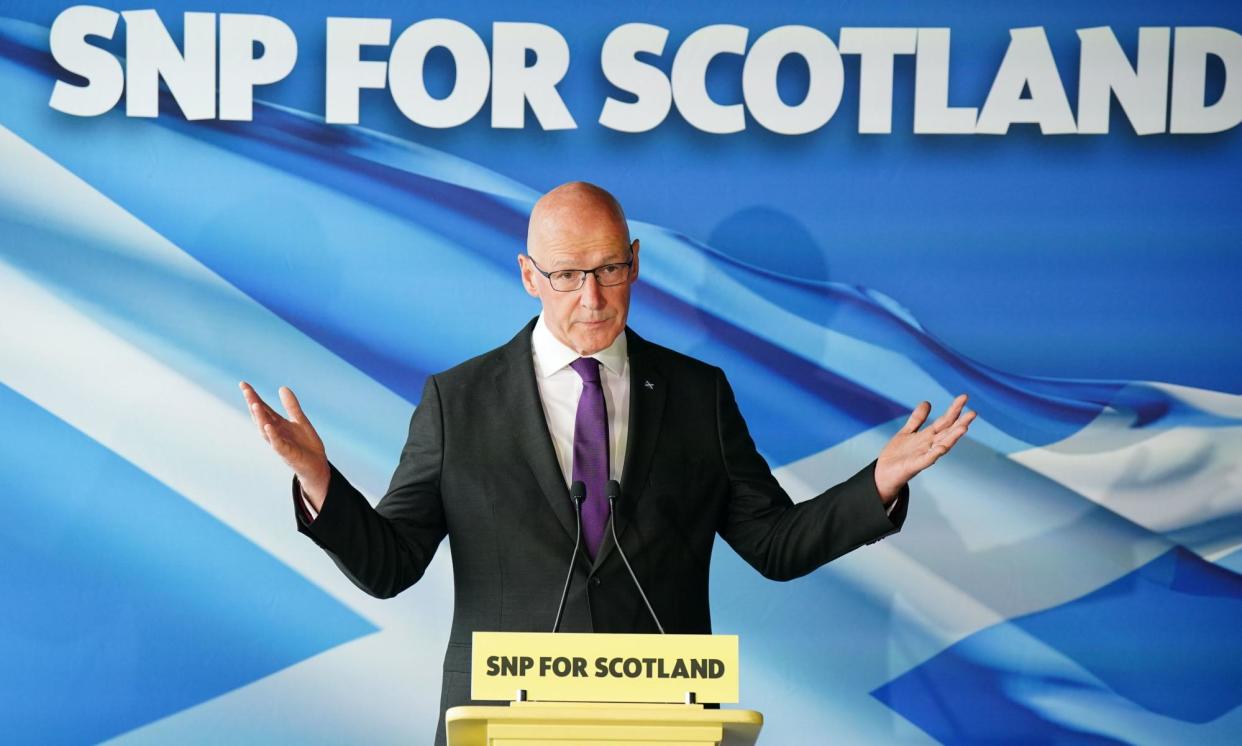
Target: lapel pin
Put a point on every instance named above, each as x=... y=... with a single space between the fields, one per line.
x=649 y=385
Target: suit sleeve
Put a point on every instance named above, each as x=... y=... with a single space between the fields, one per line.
x=386 y=549
x=778 y=538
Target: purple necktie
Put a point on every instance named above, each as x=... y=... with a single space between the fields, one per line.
x=591 y=452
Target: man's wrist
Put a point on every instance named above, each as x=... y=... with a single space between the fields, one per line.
x=315 y=489
x=309 y=512
x=886 y=485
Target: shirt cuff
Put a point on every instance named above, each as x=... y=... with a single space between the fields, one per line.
x=308 y=511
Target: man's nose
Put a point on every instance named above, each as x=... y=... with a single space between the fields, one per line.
x=591 y=297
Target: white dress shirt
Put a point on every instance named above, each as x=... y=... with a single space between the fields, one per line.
x=560 y=387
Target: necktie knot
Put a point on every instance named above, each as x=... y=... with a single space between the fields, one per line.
x=587 y=368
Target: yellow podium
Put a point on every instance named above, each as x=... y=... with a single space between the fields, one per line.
x=615 y=724
x=613 y=690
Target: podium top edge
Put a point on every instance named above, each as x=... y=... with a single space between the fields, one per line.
x=543 y=711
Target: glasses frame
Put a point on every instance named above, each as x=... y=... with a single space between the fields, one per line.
x=628 y=264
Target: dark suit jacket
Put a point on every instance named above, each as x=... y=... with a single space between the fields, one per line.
x=479 y=467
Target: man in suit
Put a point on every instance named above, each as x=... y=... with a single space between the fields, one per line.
x=576 y=396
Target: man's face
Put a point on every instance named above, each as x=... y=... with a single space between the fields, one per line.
x=590 y=318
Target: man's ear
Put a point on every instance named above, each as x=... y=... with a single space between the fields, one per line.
x=527 y=270
x=634 y=256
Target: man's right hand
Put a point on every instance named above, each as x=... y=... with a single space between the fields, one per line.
x=294 y=440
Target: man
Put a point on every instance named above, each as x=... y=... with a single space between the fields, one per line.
x=576 y=396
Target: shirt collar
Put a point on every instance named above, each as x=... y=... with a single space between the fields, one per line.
x=551 y=355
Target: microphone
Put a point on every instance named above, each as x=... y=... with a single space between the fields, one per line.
x=614 y=494
x=577 y=493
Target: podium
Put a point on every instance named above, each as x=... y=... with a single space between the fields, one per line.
x=610 y=690
x=610 y=724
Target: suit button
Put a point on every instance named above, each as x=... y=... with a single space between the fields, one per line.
x=595 y=581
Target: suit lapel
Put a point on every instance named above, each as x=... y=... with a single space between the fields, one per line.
x=516 y=380
x=647 y=393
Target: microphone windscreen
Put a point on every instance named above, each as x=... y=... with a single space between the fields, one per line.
x=577 y=491
x=614 y=489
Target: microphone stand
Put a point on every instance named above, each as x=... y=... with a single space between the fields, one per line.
x=614 y=493
x=577 y=493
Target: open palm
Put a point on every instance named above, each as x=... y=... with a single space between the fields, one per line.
x=912 y=449
x=293 y=439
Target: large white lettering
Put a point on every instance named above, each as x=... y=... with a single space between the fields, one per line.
x=214 y=69
x=823 y=95
x=347 y=72
x=932 y=113
x=514 y=84
x=1028 y=65
x=105 y=79
x=408 y=86
x=151 y=56
x=690 y=79
x=1104 y=72
x=652 y=91
x=1188 y=111
x=877 y=49
x=241 y=71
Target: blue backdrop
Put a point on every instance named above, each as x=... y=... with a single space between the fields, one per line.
x=1069 y=574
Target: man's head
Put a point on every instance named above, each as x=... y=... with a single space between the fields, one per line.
x=579 y=226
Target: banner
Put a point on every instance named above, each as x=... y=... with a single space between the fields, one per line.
x=850 y=208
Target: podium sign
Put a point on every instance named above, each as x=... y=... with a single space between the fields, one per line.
x=573 y=667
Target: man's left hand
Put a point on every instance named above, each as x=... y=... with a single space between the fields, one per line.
x=912 y=450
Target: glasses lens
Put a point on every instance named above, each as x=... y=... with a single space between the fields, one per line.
x=612 y=274
x=567 y=280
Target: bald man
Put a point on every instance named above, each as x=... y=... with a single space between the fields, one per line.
x=577 y=396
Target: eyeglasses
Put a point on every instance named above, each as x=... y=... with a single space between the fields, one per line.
x=569 y=280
